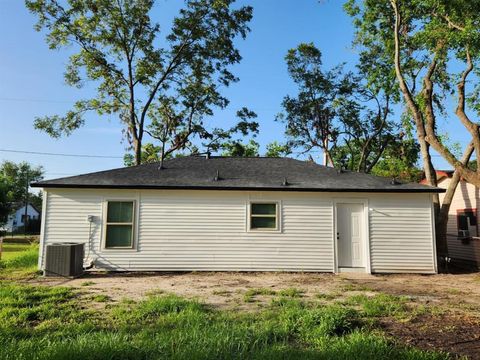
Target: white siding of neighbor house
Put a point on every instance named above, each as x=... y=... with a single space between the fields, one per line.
x=467 y=196
x=207 y=230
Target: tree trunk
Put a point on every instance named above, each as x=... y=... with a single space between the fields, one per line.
x=137 y=146
x=442 y=218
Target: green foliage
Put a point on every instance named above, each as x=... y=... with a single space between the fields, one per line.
x=342 y=114
x=163 y=87
x=275 y=149
x=230 y=141
x=438 y=41
x=5 y=203
x=400 y=161
x=13 y=181
x=237 y=148
x=309 y=116
x=150 y=153
x=51 y=323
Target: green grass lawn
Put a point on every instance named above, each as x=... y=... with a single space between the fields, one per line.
x=11 y=250
x=18 y=260
x=40 y=322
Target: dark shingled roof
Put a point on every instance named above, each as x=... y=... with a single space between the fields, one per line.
x=235 y=173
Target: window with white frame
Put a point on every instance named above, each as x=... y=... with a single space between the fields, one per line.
x=467 y=223
x=119 y=224
x=263 y=216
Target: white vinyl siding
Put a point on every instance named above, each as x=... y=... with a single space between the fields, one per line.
x=200 y=230
x=208 y=231
x=401 y=234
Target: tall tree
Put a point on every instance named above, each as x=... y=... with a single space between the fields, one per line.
x=309 y=116
x=337 y=113
x=5 y=201
x=19 y=176
x=148 y=81
x=432 y=47
x=15 y=180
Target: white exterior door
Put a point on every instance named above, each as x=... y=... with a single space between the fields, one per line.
x=350 y=238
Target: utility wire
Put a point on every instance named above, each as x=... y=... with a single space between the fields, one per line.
x=60 y=154
x=37 y=100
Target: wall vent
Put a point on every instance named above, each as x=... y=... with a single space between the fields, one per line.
x=64 y=259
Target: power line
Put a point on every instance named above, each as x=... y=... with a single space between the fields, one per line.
x=36 y=100
x=60 y=154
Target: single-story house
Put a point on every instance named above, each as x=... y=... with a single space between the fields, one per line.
x=17 y=218
x=463 y=236
x=242 y=214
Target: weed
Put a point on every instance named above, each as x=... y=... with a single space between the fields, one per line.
x=330 y=296
x=222 y=292
x=250 y=294
x=87 y=283
x=155 y=292
x=291 y=292
x=454 y=291
x=356 y=287
x=380 y=305
x=101 y=298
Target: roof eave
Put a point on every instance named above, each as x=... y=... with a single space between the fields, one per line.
x=239 y=188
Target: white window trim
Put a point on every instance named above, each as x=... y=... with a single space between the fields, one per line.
x=104 y=224
x=278 y=213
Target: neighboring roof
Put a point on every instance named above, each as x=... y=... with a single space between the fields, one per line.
x=235 y=173
x=441 y=174
x=19 y=205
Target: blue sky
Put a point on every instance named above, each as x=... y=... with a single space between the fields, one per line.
x=31 y=80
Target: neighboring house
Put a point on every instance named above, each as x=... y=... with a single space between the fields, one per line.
x=242 y=214
x=463 y=234
x=17 y=218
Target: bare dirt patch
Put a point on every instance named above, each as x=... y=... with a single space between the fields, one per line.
x=458 y=335
x=226 y=289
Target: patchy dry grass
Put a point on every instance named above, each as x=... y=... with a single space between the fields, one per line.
x=52 y=323
x=235 y=315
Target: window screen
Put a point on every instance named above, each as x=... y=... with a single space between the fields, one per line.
x=119 y=225
x=263 y=216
